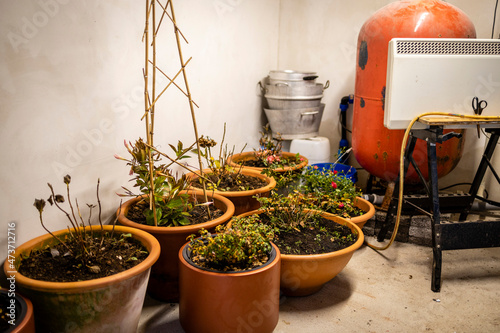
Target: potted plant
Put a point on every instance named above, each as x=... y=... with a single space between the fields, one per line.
x=314 y=246
x=270 y=158
x=239 y=185
x=171 y=214
x=229 y=281
x=166 y=209
x=86 y=277
x=16 y=311
x=333 y=193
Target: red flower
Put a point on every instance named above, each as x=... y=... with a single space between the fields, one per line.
x=315 y=167
x=335 y=172
x=341 y=205
x=334 y=185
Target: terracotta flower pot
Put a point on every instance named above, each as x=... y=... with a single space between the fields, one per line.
x=112 y=303
x=243 y=200
x=303 y=275
x=21 y=311
x=365 y=206
x=246 y=301
x=236 y=160
x=164 y=279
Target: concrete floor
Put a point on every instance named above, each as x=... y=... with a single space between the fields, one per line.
x=385 y=292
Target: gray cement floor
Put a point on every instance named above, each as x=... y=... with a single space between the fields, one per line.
x=386 y=292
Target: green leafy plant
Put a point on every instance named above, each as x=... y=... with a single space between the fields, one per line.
x=168 y=205
x=329 y=191
x=288 y=212
x=243 y=244
x=297 y=227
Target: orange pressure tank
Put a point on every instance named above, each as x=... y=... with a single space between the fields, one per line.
x=376 y=148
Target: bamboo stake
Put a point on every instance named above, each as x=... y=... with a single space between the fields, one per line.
x=168 y=85
x=173 y=19
x=149 y=8
x=179 y=48
x=175 y=84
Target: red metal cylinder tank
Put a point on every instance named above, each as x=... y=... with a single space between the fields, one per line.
x=376 y=148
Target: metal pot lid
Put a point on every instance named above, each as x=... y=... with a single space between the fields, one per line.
x=291 y=75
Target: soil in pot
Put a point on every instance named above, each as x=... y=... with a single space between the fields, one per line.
x=197 y=215
x=325 y=237
x=260 y=164
x=61 y=263
x=234 y=182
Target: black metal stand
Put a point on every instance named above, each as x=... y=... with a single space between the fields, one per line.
x=447 y=235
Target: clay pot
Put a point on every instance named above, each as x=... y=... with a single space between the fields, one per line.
x=246 y=301
x=22 y=309
x=164 y=279
x=365 y=206
x=236 y=160
x=243 y=201
x=303 y=275
x=112 y=303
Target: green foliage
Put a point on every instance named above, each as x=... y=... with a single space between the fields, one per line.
x=288 y=212
x=329 y=191
x=171 y=206
x=241 y=245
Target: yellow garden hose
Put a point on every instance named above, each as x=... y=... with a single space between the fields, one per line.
x=401 y=167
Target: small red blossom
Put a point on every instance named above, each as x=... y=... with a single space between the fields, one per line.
x=335 y=172
x=301 y=159
x=315 y=167
x=341 y=205
x=334 y=185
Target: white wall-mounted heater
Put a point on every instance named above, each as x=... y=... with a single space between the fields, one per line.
x=437 y=74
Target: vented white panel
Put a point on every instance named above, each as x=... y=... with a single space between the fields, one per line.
x=448 y=48
x=425 y=75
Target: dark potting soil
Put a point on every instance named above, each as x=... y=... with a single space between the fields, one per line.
x=234 y=182
x=197 y=215
x=58 y=264
x=260 y=164
x=326 y=236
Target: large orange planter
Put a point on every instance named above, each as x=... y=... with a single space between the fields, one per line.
x=243 y=201
x=246 y=301
x=109 y=304
x=164 y=280
x=377 y=148
x=303 y=275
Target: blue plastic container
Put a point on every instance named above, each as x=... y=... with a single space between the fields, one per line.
x=348 y=171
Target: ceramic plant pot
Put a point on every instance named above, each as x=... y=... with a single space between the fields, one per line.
x=17 y=317
x=243 y=201
x=366 y=207
x=303 y=275
x=246 y=301
x=164 y=279
x=108 y=304
x=237 y=159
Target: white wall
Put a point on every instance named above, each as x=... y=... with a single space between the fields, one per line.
x=71 y=85
x=72 y=91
